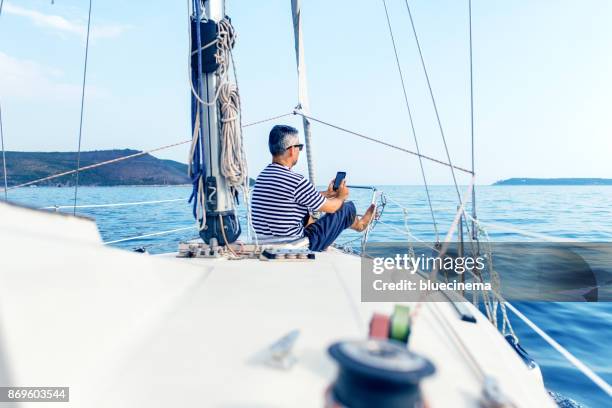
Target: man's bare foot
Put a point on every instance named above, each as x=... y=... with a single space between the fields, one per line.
x=362 y=223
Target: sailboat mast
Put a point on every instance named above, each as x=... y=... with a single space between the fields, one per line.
x=214 y=197
x=209 y=124
x=303 y=102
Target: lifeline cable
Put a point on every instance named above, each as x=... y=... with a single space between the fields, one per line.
x=149 y=235
x=59 y=207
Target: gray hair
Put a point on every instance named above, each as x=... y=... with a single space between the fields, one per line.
x=281 y=138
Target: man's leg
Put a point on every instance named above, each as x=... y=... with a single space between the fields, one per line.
x=360 y=224
x=325 y=230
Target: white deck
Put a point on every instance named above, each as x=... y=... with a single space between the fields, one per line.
x=126 y=330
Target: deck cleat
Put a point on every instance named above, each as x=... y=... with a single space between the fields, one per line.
x=279 y=354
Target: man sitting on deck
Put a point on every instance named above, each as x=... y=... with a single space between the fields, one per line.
x=283 y=200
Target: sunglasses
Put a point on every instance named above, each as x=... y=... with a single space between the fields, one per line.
x=299 y=146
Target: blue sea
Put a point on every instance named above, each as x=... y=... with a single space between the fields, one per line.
x=581 y=212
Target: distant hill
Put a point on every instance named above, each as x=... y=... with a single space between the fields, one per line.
x=554 y=182
x=143 y=170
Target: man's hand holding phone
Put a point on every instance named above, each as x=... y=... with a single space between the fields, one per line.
x=336 y=193
x=343 y=191
x=337 y=187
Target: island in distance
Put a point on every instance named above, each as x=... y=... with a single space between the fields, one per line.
x=22 y=167
x=554 y=182
x=143 y=170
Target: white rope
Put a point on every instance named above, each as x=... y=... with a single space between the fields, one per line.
x=149 y=235
x=536 y=235
x=194 y=142
x=603 y=385
x=200 y=196
x=59 y=207
x=233 y=163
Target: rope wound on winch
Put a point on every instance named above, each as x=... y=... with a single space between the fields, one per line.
x=376 y=373
x=381 y=371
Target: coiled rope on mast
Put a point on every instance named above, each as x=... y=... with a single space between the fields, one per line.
x=233 y=164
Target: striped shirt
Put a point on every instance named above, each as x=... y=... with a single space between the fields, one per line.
x=281 y=199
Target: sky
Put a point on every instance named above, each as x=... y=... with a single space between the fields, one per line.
x=542 y=82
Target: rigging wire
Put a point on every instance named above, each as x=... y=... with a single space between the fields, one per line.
x=284 y=115
x=2 y=139
x=472 y=119
x=76 y=184
x=435 y=106
x=414 y=135
x=297 y=112
x=130 y=156
x=433 y=100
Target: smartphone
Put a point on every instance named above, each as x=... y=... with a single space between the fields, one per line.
x=339 y=177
